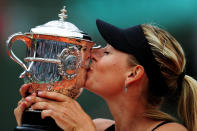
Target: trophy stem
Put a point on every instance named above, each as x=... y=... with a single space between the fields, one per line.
x=32 y=121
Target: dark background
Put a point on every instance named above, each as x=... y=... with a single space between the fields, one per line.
x=179 y=17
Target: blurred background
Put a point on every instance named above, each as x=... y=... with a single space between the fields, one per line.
x=179 y=17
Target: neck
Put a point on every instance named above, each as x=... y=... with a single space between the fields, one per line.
x=128 y=112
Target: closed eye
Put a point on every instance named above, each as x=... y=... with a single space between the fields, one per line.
x=106 y=52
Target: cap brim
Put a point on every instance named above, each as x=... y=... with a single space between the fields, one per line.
x=112 y=35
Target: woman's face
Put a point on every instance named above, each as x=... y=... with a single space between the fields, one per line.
x=108 y=71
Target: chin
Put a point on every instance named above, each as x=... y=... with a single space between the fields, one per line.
x=86 y=84
x=89 y=84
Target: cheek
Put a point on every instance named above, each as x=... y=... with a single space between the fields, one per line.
x=112 y=76
x=106 y=78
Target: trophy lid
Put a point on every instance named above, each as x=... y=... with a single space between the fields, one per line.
x=60 y=28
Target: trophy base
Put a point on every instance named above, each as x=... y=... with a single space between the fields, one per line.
x=32 y=121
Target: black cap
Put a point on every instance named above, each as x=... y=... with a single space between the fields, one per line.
x=132 y=41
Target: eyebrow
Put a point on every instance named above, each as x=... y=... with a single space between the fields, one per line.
x=110 y=48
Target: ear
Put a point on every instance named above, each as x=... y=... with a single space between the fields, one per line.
x=134 y=75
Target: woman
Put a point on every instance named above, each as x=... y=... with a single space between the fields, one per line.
x=139 y=67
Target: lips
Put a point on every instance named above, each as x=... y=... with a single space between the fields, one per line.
x=88 y=70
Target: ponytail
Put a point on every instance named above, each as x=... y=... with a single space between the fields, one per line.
x=187 y=107
x=170 y=56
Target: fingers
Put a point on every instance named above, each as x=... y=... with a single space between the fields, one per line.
x=61 y=120
x=68 y=123
x=33 y=99
x=19 y=111
x=25 y=103
x=46 y=113
x=49 y=95
x=19 y=102
x=45 y=106
x=24 y=89
x=40 y=103
x=54 y=96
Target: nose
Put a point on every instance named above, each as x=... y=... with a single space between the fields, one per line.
x=95 y=52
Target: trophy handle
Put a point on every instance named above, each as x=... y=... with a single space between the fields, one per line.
x=17 y=36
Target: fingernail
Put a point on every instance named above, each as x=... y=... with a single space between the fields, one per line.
x=28 y=98
x=40 y=92
x=33 y=94
x=23 y=105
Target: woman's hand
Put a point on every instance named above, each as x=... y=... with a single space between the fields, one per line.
x=22 y=104
x=66 y=112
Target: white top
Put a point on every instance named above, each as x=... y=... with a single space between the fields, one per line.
x=58 y=28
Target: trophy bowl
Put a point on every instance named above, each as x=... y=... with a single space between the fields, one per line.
x=57 y=58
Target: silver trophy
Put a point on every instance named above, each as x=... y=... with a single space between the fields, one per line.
x=57 y=58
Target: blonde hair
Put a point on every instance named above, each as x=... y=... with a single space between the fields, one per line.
x=170 y=56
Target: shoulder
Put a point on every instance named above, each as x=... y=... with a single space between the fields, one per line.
x=172 y=127
x=102 y=124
